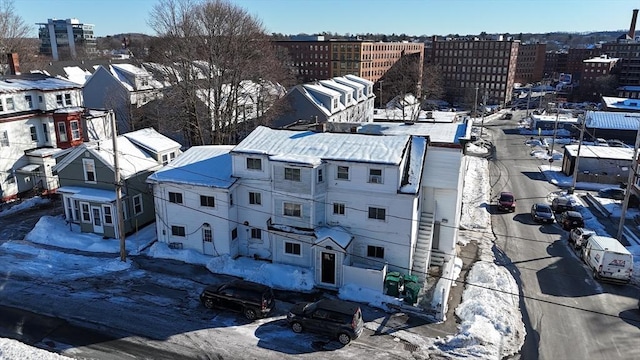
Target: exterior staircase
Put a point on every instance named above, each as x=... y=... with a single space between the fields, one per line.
x=422 y=254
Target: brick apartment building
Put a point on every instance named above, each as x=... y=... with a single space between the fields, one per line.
x=470 y=63
x=530 y=63
x=597 y=67
x=315 y=58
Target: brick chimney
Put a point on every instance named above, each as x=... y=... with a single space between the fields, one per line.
x=14 y=64
x=632 y=29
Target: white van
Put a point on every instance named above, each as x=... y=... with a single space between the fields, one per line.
x=608 y=259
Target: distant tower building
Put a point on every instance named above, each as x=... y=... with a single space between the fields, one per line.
x=64 y=39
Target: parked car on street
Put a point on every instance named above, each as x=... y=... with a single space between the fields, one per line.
x=541 y=212
x=611 y=193
x=562 y=204
x=617 y=143
x=579 y=236
x=608 y=259
x=506 y=201
x=508 y=116
x=570 y=220
x=337 y=318
x=251 y=299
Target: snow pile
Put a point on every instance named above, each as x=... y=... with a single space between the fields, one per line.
x=473 y=149
x=491 y=319
x=12 y=349
x=475 y=195
x=368 y=296
x=27 y=204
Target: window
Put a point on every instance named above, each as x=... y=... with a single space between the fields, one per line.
x=89 y=167
x=230 y=199
x=291 y=174
x=10 y=105
x=255 y=198
x=338 y=208
x=207 y=201
x=62 y=132
x=137 y=204
x=375 y=251
x=34 y=133
x=75 y=130
x=29 y=101
x=172 y=155
x=67 y=99
x=86 y=214
x=377 y=213
x=291 y=209
x=343 y=172
x=178 y=230
x=165 y=159
x=256 y=233
x=108 y=217
x=375 y=176
x=59 y=100
x=254 y=164
x=207 y=234
x=1 y=105
x=292 y=248
x=45 y=131
x=320 y=177
x=234 y=234
x=175 y=197
x=40 y=99
x=4 y=138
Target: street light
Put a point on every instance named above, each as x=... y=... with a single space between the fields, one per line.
x=632 y=173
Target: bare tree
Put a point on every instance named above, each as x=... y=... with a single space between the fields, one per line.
x=14 y=35
x=432 y=82
x=211 y=48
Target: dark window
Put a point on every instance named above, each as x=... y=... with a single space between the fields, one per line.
x=338 y=208
x=254 y=164
x=291 y=174
x=178 y=230
x=343 y=172
x=256 y=233
x=377 y=213
x=234 y=234
x=292 y=248
x=320 y=177
x=375 y=251
x=207 y=201
x=255 y=198
x=375 y=176
x=175 y=197
x=34 y=133
x=291 y=209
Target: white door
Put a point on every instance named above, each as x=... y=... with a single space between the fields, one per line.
x=207 y=240
x=96 y=219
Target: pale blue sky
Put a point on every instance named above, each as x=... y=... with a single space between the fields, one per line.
x=412 y=17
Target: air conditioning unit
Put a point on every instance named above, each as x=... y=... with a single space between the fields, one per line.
x=429 y=115
x=375 y=179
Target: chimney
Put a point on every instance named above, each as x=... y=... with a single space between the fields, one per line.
x=632 y=29
x=14 y=64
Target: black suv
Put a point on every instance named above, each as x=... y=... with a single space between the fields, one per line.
x=571 y=220
x=251 y=299
x=337 y=318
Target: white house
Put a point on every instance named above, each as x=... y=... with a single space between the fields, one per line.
x=348 y=206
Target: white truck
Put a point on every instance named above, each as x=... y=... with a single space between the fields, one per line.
x=608 y=259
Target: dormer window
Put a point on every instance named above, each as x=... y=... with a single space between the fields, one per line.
x=67 y=100
x=10 y=105
x=334 y=103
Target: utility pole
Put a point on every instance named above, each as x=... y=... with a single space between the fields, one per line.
x=553 y=139
x=118 y=183
x=575 y=165
x=484 y=109
x=475 y=103
x=380 y=82
x=528 y=99
x=632 y=173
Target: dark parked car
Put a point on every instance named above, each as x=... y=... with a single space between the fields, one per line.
x=611 y=193
x=542 y=213
x=506 y=201
x=507 y=116
x=562 y=204
x=570 y=220
x=336 y=318
x=251 y=299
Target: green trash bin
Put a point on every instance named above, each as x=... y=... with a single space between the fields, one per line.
x=410 y=278
x=412 y=289
x=393 y=284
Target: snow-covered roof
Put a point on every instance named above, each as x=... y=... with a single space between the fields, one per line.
x=120 y=77
x=612 y=120
x=322 y=90
x=196 y=167
x=325 y=146
x=340 y=87
x=621 y=103
x=76 y=74
x=132 y=69
x=152 y=140
x=19 y=83
x=89 y=194
x=438 y=133
x=601 y=152
x=356 y=85
x=358 y=79
x=339 y=235
x=132 y=159
x=601 y=59
x=43 y=152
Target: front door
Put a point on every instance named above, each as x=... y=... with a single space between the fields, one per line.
x=328 y=268
x=96 y=214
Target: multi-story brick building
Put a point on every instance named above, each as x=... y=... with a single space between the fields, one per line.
x=530 y=63
x=598 y=67
x=317 y=59
x=576 y=58
x=469 y=64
